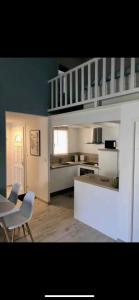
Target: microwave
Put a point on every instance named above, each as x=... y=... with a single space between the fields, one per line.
x=110 y=144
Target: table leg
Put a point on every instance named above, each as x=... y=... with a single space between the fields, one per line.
x=5 y=229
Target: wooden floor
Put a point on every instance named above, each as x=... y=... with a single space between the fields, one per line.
x=55 y=223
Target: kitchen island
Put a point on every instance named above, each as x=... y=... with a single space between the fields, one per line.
x=96 y=203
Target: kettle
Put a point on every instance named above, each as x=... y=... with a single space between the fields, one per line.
x=76 y=158
x=82 y=157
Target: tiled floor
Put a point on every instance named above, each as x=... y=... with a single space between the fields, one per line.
x=55 y=223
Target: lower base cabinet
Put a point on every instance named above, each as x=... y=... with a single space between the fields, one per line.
x=62 y=178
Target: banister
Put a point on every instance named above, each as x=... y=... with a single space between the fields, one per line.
x=76 y=68
x=98 y=78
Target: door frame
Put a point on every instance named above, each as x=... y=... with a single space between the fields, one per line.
x=24 y=150
x=24 y=156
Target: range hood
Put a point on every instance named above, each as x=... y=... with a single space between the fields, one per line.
x=97 y=135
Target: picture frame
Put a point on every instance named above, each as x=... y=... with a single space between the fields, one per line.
x=35 y=142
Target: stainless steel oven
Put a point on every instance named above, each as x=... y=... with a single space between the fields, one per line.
x=84 y=171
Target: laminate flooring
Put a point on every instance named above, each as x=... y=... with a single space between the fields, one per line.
x=55 y=223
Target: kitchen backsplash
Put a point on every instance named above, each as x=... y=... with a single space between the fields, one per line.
x=70 y=157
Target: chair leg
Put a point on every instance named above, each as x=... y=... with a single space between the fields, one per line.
x=18 y=230
x=24 y=230
x=4 y=237
x=29 y=231
x=13 y=234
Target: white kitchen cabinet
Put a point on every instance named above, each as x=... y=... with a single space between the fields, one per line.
x=108 y=163
x=62 y=178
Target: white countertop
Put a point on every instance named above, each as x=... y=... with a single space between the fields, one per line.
x=96 y=180
x=68 y=164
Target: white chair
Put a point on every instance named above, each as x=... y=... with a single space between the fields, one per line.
x=22 y=216
x=13 y=197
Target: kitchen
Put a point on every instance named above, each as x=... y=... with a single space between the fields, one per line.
x=85 y=152
x=86 y=156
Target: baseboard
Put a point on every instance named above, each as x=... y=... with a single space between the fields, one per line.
x=41 y=200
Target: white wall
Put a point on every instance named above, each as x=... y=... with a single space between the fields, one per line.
x=109 y=132
x=129 y=115
x=100 y=114
x=73 y=138
x=135 y=235
x=85 y=136
x=37 y=166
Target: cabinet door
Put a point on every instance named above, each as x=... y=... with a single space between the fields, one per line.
x=62 y=178
x=108 y=163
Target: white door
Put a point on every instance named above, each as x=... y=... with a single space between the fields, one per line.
x=136 y=187
x=18 y=156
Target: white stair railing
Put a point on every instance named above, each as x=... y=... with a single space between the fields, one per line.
x=122 y=61
x=104 y=78
x=92 y=81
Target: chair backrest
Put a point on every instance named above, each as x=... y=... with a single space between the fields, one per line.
x=13 y=197
x=26 y=208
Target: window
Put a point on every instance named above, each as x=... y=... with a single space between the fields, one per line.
x=60 y=141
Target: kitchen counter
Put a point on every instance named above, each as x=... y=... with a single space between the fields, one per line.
x=68 y=164
x=63 y=165
x=96 y=180
x=96 y=204
x=108 y=149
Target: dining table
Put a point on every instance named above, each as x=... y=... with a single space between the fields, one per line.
x=6 y=208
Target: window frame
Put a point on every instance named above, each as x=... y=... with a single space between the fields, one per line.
x=60 y=128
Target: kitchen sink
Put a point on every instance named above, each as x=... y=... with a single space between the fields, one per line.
x=90 y=163
x=66 y=163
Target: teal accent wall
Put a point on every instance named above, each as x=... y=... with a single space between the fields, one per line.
x=24 y=89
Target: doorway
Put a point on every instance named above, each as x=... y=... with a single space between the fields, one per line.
x=23 y=165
